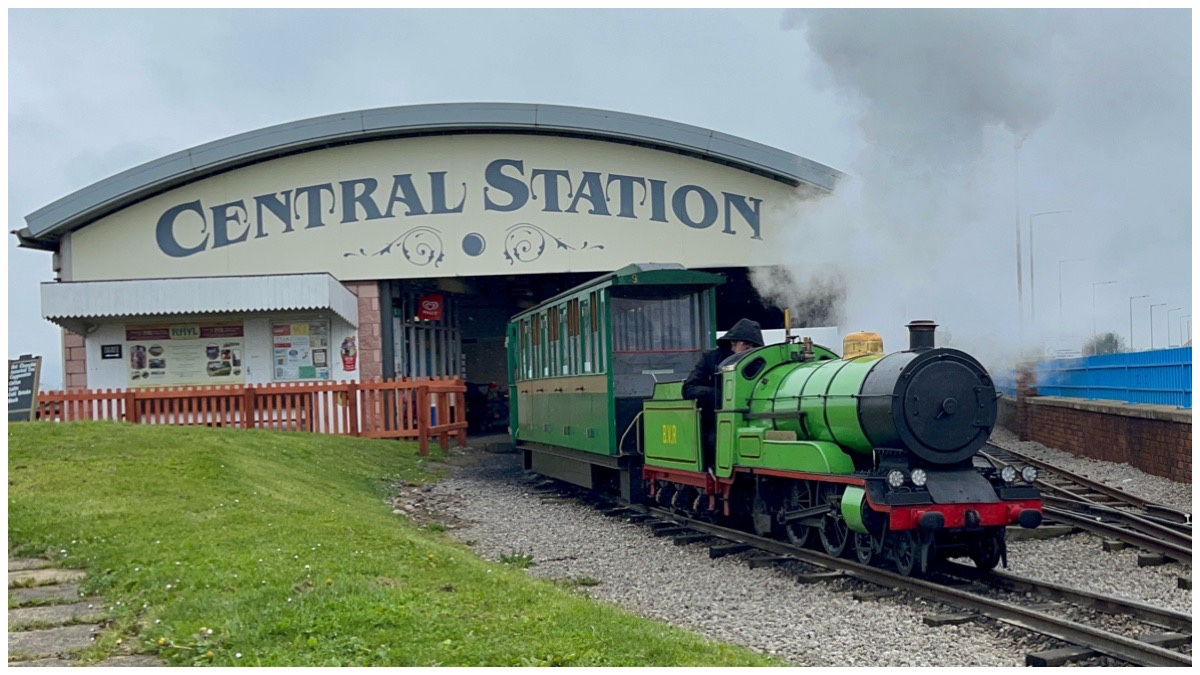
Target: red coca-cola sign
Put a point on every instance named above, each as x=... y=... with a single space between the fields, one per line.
x=429 y=307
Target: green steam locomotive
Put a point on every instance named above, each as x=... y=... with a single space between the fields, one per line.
x=869 y=454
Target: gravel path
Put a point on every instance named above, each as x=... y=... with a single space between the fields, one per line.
x=485 y=503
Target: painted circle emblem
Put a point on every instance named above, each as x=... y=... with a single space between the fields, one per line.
x=473 y=244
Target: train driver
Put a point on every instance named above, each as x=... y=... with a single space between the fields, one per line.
x=700 y=385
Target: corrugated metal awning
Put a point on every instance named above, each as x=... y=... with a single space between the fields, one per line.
x=76 y=305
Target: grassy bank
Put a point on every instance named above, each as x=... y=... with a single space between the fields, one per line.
x=263 y=548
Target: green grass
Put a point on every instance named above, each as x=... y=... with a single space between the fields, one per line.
x=231 y=547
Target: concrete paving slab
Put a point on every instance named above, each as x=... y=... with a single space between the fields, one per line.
x=24 y=596
x=41 y=663
x=51 y=641
x=44 y=577
x=134 y=661
x=18 y=564
x=90 y=611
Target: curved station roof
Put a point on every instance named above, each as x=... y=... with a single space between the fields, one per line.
x=46 y=225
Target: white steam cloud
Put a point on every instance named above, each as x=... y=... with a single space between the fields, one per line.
x=923 y=227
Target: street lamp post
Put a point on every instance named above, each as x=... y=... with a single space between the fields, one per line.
x=1032 y=296
x=1161 y=304
x=1017 y=199
x=1060 y=264
x=1131 y=299
x=1177 y=309
x=1189 y=329
x=1098 y=283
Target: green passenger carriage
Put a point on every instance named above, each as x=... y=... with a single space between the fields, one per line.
x=582 y=362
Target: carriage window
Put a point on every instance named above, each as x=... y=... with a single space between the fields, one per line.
x=670 y=324
x=573 y=346
x=585 y=338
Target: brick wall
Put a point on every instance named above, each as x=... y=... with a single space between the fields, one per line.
x=370 y=345
x=74 y=361
x=1155 y=439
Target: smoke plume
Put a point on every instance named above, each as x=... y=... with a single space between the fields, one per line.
x=924 y=225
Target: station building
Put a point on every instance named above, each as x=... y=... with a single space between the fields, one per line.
x=396 y=242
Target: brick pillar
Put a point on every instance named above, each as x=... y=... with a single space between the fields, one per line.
x=74 y=361
x=1026 y=388
x=370 y=347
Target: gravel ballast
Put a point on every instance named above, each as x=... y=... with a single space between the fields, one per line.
x=486 y=504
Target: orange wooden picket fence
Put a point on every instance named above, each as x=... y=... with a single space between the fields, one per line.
x=420 y=409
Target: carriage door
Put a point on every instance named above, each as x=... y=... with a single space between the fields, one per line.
x=427 y=339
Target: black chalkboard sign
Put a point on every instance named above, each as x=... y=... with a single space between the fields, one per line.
x=23 y=387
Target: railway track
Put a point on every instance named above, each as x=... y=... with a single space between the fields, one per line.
x=1130 y=650
x=1078 y=501
x=973 y=595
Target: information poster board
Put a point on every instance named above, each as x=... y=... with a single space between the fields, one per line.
x=301 y=350
x=23 y=374
x=166 y=355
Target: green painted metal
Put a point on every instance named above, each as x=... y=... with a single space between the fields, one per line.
x=803 y=456
x=854 y=502
x=812 y=400
x=545 y=410
x=672 y=434
x=841 y=403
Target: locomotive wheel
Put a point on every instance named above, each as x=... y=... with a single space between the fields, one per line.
x=801 y=497
x=985 y=553
x=864 y=548
x=912 y=554
x=835 y=534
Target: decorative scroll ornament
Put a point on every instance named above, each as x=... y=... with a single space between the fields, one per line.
x=526 y=242
x=420 y=246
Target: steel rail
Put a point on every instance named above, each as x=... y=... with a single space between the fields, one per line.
x=1161 y=616
x=1129 y=520
x=1175 y=552
x=1093 y=485
x=1118 y=646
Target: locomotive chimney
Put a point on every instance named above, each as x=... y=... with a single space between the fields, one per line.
x=920 y=334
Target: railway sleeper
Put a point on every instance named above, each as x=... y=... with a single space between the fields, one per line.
x=690 y=537
x=722 y=550
x=1056 y=657
x=1166 y=640
x=954 y=619
x=818 y=577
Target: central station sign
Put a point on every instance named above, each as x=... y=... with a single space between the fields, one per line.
x=447 y=206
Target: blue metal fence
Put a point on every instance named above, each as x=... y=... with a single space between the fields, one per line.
x=1006 y=382
x=1161 y=377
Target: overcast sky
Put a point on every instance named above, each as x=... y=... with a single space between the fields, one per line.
x=920 y=109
